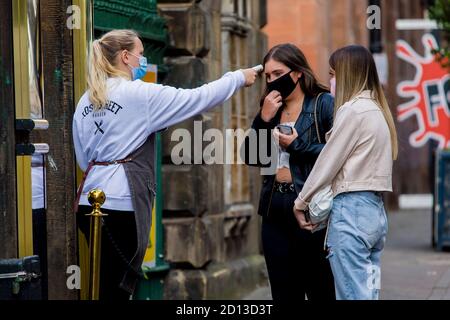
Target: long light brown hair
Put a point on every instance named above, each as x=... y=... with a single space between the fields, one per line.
x=103 y=63
x=356 y=71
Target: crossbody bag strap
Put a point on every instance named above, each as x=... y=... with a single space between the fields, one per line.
x=315 y=117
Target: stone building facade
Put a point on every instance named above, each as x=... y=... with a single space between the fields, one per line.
x=211 y=229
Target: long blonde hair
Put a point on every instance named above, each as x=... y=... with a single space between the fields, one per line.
x=355 y=72
x=103 y=61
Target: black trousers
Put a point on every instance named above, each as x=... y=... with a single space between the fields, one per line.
x=295 y=258
x=119 y=244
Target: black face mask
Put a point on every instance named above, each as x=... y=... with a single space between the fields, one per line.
x=284 y=85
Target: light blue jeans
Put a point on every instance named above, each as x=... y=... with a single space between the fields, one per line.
x=356 y=237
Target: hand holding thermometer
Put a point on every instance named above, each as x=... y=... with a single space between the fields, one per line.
x=251 y=74
x=259 y=68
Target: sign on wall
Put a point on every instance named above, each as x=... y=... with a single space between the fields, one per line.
x=428 y=94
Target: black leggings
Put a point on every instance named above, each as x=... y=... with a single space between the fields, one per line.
x=119 y=244
x=295 y=258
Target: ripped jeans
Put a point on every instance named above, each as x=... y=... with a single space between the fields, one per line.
x=356 y=237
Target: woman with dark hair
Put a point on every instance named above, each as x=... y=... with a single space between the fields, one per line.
x=295 y=258
x=357 y=163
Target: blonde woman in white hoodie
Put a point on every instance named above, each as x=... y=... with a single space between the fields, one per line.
x=357 y=163
x=114 y=129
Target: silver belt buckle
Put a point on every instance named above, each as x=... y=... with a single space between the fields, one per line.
x=285 y=187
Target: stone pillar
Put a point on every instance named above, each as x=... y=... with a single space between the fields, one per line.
x=210 y=222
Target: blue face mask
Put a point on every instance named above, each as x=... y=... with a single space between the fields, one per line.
x=140 y=71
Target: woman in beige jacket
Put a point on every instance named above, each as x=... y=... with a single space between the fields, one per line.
x=357 y=162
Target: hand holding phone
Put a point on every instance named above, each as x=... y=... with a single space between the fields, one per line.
x=285 y=129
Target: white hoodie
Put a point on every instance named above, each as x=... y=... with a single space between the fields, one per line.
x=135 y=110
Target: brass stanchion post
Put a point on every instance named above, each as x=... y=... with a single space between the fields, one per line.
x=96 y=198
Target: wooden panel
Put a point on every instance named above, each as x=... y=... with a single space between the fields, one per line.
x=8 y=232
x=59 y=107
x=413 y=171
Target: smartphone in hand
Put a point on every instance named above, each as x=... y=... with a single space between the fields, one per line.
x=285 y=129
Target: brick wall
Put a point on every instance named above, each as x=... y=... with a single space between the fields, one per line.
x=317 y=27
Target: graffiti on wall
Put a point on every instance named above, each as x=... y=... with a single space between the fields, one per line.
x=428 y=94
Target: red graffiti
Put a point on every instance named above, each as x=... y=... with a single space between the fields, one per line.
x=429 y=94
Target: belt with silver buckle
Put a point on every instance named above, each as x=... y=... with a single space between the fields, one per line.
x=284 y=187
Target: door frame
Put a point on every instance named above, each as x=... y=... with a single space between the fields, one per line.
x=8 y=192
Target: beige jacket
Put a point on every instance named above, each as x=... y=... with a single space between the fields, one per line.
x=357 y=155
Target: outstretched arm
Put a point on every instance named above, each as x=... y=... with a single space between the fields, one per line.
x=168 y=106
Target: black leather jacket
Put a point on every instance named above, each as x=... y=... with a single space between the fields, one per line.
x=303 y=151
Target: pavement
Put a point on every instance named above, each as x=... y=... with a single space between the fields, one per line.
x=411 y=269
